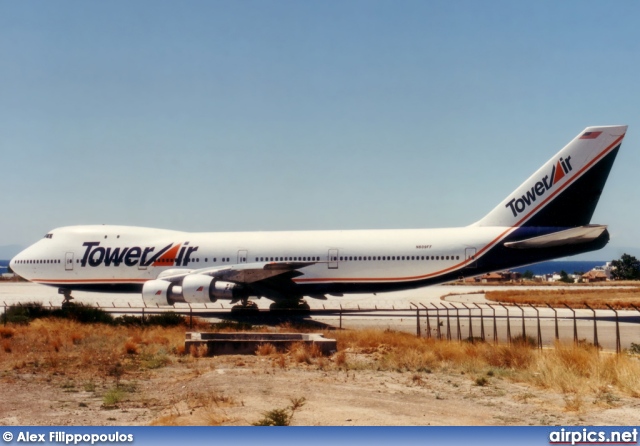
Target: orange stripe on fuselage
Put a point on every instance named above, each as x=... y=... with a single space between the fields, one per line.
x=87 y=280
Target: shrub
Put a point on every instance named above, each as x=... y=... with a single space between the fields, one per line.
x=281 y=417
x=635 y=348
x=25 y=313
x=525 y=340
x=113 y=397
x=128 y=320
x=6 y=332
x=265 y=349
x=130 y=347
x=275 y=417
x=168 y=319
x=84 y=314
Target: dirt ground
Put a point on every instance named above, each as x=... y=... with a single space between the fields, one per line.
x=239 y=390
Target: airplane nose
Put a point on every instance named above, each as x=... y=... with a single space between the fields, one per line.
x=16 y=264
x=12 y=266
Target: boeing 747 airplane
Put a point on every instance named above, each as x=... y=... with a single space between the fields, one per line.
x=547 y=217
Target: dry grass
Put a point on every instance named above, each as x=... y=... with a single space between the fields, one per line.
x=131 y=347
x=575 y=297
x=52 y=347
x=266 y=349
x=572 y=370
x=198 y=408
x=7 y=332
x=64 y=351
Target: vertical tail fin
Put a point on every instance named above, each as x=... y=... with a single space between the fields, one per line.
x=564 y=192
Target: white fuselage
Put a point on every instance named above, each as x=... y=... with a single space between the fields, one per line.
x=85 y=255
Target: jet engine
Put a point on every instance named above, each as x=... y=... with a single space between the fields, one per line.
x=194 y=289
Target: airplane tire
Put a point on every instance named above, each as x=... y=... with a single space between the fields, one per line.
x=250 y=308
x=300 y=305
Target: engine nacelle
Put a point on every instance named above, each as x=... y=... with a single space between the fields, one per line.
x=160 y=292
x=225 y=290
x=196 y=289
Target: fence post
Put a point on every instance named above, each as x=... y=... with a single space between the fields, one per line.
x=481 y=322
x=458 y=322
x=426 y=311
x=438 y=321
x=495 y=325
x=595 y=328
x=575 y=324
x=340 y=316
x=190 y=317
x=618 y=347
x=417 y=319
x=448 y=323
x=470 y=323
x=524 y=329
x=555 y=316
x=508 y=323
x=539 y=331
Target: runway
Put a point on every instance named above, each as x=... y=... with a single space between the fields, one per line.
x=468 y=313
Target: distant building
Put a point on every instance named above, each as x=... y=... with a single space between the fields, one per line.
x=595 y=276
x=502 y=276
x=491 y=278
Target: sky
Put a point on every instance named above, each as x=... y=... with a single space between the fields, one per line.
x=293 y=115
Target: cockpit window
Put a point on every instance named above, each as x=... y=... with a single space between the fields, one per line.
x=48 y=235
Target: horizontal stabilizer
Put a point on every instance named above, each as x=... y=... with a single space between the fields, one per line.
x=573 y=236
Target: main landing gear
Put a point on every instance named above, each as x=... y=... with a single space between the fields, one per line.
x=246 y=307
x=290 y=305
x=67 y=297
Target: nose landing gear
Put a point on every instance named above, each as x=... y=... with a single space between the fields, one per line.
x=67 y=297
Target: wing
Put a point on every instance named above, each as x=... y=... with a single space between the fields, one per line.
x=273 y=280
x=573 y=236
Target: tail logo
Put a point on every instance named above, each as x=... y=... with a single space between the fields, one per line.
x=558 y=172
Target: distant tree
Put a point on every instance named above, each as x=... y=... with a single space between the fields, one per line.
x=564 y=277
x=627 y=268
x=528 y=274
